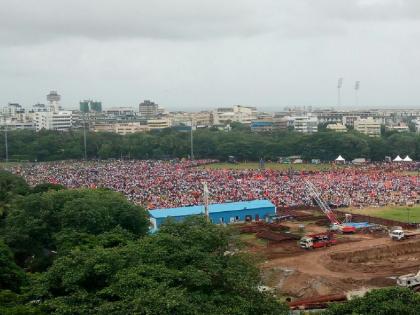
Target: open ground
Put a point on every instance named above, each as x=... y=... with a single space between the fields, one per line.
x=357 y=262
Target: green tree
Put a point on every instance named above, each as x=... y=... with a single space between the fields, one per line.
x=391 y=301
x=11 y=276
x=186 y=268
x=10 y=187
x=34 y=222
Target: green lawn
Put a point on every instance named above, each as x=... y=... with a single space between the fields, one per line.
x=273 y=166
x=392 y=213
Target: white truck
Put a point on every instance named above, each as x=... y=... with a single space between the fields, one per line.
x=411 y=281
x=398 y=234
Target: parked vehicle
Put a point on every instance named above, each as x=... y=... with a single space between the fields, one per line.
x=411 y=281
x=398 y=234
x=318 y=240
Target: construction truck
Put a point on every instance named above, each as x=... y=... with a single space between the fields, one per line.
x=398 y=234
x=318 y=240
x=411 y=281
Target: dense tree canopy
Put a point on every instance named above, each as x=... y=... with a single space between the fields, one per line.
x=37 y=223
x=391 y=301
x=183 y=269
x=209 y=143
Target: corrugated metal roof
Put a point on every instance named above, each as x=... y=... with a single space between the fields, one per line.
x=218 y=207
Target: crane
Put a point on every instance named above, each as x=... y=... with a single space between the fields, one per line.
x=314 y=193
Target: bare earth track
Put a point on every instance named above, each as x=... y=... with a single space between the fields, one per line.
x=364 y=262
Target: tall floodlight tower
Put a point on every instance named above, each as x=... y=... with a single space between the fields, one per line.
x=192 y=140
x=339 y=85
x=356 y=92
x=206 y=200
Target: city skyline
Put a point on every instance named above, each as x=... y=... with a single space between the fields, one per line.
x=191 y=56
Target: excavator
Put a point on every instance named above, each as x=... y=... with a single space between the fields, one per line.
x=411 y=281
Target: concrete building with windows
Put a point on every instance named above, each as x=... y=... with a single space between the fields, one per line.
x=337 y=127
x=148 y=109
x=61 y=120
x=222 y=213
x=159 y=123
x=400 y=127
x=368 y=126
x=417 y=125
x=349 y=120
x=262 y=126
x=243 y=114
x=305 y=124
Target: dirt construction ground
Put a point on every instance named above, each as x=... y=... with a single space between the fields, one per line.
x=358 y=262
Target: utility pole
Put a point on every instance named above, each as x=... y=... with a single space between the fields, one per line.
x=84 y=135
x=356 y=93
x=339 y=85
x=206 y=200
x=192 y=141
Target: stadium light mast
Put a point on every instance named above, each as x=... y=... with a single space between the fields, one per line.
x=356 y=93
x=206 y=200
x=84 y=135
x=192 y=141
x=339 y=85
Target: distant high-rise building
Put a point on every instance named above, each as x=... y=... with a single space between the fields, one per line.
x=148 y=109
x=90 y=106
x=96 y=106
x=84 y=106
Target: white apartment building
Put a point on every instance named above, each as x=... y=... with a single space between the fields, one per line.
x=337 y=127
x=121 y=128
x=401 y=127
x=368 y=126
x=305 y=124
x=237 y=113
x=129 y=128
x=61 y=120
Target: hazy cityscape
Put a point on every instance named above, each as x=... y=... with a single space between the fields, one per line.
x=186 y=157
x=148 y=115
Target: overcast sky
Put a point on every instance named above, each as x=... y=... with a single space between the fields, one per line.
x=200 y=54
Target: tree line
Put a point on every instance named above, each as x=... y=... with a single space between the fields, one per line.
x=208 y=143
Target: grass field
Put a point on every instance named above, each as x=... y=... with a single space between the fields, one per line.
x=273 y=166
x=392 y=213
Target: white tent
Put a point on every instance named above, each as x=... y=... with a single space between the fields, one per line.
x=407 y=159
x=340 y=159
x=398 y=159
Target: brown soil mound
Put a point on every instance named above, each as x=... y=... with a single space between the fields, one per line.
x=377 y=253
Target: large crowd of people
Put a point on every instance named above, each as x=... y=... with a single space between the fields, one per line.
x=164 y=184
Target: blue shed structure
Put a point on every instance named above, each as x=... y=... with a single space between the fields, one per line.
x=254 y=210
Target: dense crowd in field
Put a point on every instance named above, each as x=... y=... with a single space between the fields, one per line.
x=163 y=184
